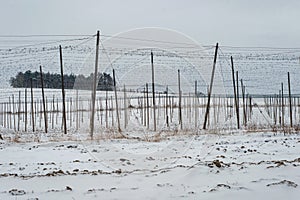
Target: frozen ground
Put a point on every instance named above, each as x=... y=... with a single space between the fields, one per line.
x=232 y=166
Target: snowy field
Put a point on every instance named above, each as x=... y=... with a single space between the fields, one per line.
x=236 y=165
x=181 y=163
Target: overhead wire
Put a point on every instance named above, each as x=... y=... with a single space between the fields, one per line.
x=254 y=55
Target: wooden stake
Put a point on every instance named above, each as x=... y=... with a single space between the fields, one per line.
x=290 y=100
x=19 y=110
x=63 y=91
x=32 y=107
x=116 y=100
x=125 y=108
x=25 y=109
x=153 y=93
x=148 y=112
x=53 y=111
x=179 y=104
x=43 y=96
x=95 y=81
x=196 y=105
x=282 y=107
x=235 y=95
x=167 y=115
x=112 y=112
x=77 y=111
x=106 y=109
x=14 y=111
x=210 y=87
x=244 y=107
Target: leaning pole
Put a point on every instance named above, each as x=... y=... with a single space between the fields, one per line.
x=210 y=87
x=94 y=88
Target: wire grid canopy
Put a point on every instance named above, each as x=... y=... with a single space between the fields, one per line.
x=128 y=53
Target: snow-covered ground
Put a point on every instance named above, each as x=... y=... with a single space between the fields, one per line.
x=236 y=165
x=179 y=165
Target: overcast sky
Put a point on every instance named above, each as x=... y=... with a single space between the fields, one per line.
x=229 y=22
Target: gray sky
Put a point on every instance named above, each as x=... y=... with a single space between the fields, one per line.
x=229 y=22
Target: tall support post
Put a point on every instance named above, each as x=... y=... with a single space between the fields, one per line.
x=77 y=111
x=63 y=90
x=148 y=112
x=244 y=103
x=19 y=110
x=166 y=102
x=13 y=111
x=153 y=93
x=125 y=108
x=2 y=114
x=235 y=95
x=210 y=87
x=116 y=99
x=196 y=85
x=106 y=109
x=32 y=107
x=43 y=96
x=179 y=105
x=196 y=104
x=95 y=81
x=282 y=107
x=290 y=100
x=25 y=109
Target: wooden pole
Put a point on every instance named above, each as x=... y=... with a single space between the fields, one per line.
x=250 y=107
x=179 y=104
x=244 y=108
x=40 y=112
x=210 y=87
x=9 y=113
x=101 y=112
x=25 y=109
x=43 y=96
x=196 y=104
x=144 y=107
x=19 y=110
x=1 y=116
x=14 y=112
x=235 y=96
x=5 y=111
x=196 y=88
x=112 y=112
x=57 y=111
x=167 y=115
x=148 y=112
x=70 y=111
x=77 y=111
x=2 y=113
x=32 y=107
x=53 y=110
x=95 y=81
x=106 y=109
x=282 y=107
x=63 y=91
x=125 y=108
x=158 y=110
x=290 y=100
x=116 y=100
x=153 y=93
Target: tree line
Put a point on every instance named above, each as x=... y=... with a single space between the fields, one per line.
x=53 y=80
